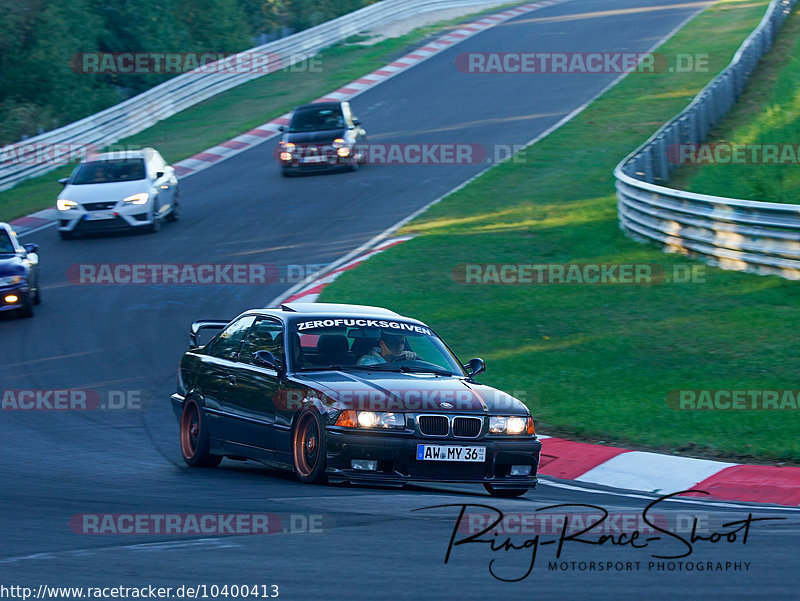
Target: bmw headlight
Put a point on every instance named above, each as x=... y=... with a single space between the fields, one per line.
x=11 y=280
x=374 y=420
x=137 y=199
x=62 y=204
x=512 y=425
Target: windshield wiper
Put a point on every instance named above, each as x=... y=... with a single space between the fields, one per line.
x=426 y=370
x=330 y=367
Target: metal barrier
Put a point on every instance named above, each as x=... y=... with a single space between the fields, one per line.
x=742 y=235
x=185 y=90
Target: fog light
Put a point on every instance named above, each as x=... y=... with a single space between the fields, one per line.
x=343 y=152
x=11 y=299
x=368 y=465
x=286 y=156
x=520 y=470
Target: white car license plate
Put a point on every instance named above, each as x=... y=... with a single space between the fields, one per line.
x=314 y=159
x=441 y=452
x=99 y=215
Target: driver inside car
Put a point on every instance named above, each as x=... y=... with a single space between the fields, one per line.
x=391 y=349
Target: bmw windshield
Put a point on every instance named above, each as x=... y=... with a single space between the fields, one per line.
x=316 y=119
x=6 y=246
x=366 y=343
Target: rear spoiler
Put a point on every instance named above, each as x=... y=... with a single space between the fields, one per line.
x=204 y=324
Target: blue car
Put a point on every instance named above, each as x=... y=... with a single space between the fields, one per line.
x=19 y=274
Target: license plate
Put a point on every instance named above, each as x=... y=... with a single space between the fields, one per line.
x=314 y=159
x=99 y=215
x=441 y=452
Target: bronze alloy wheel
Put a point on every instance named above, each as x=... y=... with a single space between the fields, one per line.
x=308 y=448
x=194 y=438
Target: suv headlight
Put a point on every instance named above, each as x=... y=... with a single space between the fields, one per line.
x=137 y=199
x=513 y=425
x=62 y=204
x=10 y=280
x=372 y=420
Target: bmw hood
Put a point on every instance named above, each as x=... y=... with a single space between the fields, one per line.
x=314 y=137
x=411 y=393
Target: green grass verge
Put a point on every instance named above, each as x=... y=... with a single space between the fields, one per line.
x=767 y=113
x=242 y=108
x=597 y=361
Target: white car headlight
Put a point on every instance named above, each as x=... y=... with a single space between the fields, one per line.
x=137 y=199
x=513 y=425
x=371 y=419
x=62 y=204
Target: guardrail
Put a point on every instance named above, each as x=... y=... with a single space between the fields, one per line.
x=185 y=90
x=736 y=234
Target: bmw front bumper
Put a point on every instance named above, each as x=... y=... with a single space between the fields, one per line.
x=396 y=453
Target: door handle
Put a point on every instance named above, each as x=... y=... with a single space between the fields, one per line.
x=231 y=379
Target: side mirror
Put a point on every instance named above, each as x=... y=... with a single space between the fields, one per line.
x=63 y=181
x=159 y=174
x=267 y=359
x=356 y=121
x=281 y=128
x=31 y=248
x=475 y=367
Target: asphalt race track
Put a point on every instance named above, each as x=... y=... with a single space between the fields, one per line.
x=340 y=542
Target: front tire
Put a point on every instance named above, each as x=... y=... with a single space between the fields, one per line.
x=175 y=212
x=155 y=227
x=308 y=448
x=505 y=493
x=27 y=307
x=194 y=438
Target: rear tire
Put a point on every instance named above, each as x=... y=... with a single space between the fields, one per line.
x=505 y=493
x=66 y=235
x=309 y=448
x=194 y=438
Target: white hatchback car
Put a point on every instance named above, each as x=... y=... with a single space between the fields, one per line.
x=118 y=191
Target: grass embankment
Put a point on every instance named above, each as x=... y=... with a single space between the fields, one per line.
x=767 y=115
x=240 y=109
x=598 y=361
